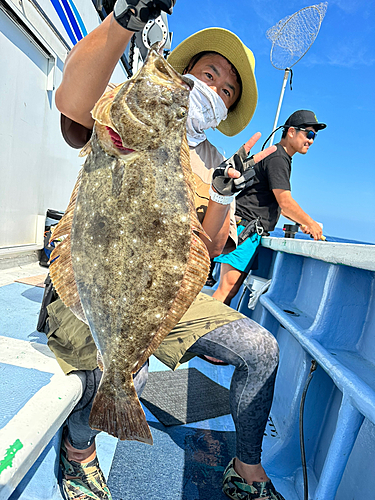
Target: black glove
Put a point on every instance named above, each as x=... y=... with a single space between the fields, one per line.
x=134 y=14
x=227 y=186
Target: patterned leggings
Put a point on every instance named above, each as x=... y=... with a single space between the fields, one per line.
x=251 y=349
x=254 y=353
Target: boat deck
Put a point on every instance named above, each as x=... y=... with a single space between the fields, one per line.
x=185 y=462
x=319 y=306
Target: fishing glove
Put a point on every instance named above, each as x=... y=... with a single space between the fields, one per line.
x=225 y=185
x=134 y=14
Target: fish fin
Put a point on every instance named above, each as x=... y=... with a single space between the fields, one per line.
x=187 y=171
x=197 y=268
x=120 y=415
x=101 y=110
x=86 y=150
x=99 y=359
x=78 y=311
x=190 y=184
x=61 y=268
x=195 y=277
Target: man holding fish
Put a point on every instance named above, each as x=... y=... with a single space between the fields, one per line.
x=224 y=96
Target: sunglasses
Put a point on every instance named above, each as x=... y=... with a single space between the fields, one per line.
x=310 y=134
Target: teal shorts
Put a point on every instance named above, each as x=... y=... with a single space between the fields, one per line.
x=243 y=256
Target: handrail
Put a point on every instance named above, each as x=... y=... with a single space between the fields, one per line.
x=349 y=254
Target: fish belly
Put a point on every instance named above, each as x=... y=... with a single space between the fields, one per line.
x=131 y=240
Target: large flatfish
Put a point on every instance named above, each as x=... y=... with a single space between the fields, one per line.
x=131 y=261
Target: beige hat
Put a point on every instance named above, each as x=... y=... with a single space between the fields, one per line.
x=227 y=44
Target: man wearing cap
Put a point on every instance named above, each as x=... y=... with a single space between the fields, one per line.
x=258 y=207
x=224 y=97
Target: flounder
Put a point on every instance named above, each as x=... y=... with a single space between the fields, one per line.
x=131 y=261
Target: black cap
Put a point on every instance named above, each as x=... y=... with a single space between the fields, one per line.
x=304 y=117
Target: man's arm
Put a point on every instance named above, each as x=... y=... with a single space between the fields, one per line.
x=88 y=69
x=291 y=209
x=216 y=224
x=90 y=64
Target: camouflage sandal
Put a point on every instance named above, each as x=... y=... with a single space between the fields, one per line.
x=235 y=487
x=87 y=482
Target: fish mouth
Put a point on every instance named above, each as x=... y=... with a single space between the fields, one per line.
x=167 y=70
x=130 y=112
x=189 y=83
x=117 y=141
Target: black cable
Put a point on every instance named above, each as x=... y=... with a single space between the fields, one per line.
x=291 y=78
x=131 y=53
x=241 y=298
x=127 y=66
x=301 y=439
x=271 y=134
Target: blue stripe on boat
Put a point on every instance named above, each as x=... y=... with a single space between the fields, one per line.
x=63 y=19
x=72 y=19
x=78 y=17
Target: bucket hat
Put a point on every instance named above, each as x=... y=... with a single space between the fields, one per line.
x=304 y=117
x=227 y=44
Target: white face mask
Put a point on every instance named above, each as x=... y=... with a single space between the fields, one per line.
x=206 y=110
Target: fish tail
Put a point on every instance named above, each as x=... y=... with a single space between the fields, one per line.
x=122 y=415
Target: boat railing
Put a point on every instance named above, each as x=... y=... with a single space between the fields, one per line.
x=320 y=306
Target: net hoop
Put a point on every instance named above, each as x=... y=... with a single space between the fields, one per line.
x=284 y=45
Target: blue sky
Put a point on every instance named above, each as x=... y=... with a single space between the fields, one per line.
x=335 y=181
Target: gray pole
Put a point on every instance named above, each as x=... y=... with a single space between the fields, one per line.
x=286 y=74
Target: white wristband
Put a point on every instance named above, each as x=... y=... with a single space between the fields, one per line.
x=218 y=198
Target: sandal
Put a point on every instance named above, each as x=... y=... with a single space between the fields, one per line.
x=87 y=480
x=235 y=487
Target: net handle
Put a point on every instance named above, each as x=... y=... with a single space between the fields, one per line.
x=286 y=76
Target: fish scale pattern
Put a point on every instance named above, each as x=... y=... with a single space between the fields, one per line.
x=131 y=254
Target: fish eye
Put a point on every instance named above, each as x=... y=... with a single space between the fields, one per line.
x=181 y=113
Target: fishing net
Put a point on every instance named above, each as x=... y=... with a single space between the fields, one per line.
x=293 y=36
